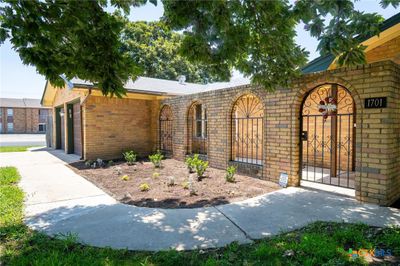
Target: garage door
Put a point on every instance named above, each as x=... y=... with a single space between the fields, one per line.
x=77 y=129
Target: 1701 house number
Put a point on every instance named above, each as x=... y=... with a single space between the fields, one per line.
x=378 y=102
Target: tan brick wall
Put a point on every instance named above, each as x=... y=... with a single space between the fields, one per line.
x=388 y=51
x=113 y=125
x=377 y=134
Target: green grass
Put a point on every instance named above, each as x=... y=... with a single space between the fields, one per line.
x=15 y=148
x=320 y=243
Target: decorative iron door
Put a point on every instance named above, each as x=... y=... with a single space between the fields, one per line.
x=166 y=130
x=328 y=136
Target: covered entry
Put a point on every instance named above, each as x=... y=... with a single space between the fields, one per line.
x=328 y=136
x=69 y=128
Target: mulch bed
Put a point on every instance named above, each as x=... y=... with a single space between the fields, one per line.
x=210 y=191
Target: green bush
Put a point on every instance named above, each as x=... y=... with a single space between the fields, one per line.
x=230 y=174
x=130 y=157
x=156 y=159
x=200 y=166
x=190 y=162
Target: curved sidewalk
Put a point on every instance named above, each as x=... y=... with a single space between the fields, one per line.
x=60 y=201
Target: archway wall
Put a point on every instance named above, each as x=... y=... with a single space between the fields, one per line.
x=377 y=153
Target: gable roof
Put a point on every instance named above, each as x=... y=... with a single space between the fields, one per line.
x=323 y=62
x=20 y=103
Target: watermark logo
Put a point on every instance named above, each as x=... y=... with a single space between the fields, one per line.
x=369 y=253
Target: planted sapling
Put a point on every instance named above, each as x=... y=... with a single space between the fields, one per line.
x=230 y=174
x=156 y=159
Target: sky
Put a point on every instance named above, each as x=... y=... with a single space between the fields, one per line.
x=21 y=81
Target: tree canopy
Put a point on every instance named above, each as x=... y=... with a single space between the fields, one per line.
x=257 y=37
x=155 y=48
x=81 y=39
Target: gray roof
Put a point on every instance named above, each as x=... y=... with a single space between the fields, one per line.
x=20 y=103
x=168 y=87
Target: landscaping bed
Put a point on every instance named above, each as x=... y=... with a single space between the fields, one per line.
x=320 y=243
x=211 y=190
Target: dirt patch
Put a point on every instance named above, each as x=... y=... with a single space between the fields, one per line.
x=211 y=190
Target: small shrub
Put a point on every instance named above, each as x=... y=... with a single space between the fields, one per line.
x=156 y=175
x=88 y=163
x=125 y=177
x=156 y=159
x=100 y=163
x=171 y=181
x=130 y=157
x=144 y=187
x=230 y=174
x=185 y=185
x=200 y=166
x=110 y=163
x=190 y=162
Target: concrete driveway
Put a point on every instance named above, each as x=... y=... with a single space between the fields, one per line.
x=60 y=201
x=22 y=139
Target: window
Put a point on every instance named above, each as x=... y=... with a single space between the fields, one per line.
x=43 y=113
x=197 y=124
x=10 y=120
x=201 y=121
x=42 y=127
x=1 y=120
x=10 y=127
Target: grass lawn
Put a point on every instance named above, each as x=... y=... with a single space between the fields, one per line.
x=15 y=148
x=317 y=244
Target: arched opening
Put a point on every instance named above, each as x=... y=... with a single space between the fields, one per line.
x=197 y=129
x=166 y=120
x=247 y=130
x=328 y=136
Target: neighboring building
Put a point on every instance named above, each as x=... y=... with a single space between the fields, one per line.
x=22 y=116
x=265 y=134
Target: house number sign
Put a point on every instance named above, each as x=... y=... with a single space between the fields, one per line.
x=378 y=102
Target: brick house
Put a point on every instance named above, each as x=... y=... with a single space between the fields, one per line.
x=22 y=116
x=333 y=126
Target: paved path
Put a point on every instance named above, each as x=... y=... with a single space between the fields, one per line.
x=60 y=201
x=22 y=140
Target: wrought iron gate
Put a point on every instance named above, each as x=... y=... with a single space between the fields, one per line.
x=247 y=130
x=328 y=138
x=166 y=130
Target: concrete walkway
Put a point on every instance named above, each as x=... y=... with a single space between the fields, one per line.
x=60 y=201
